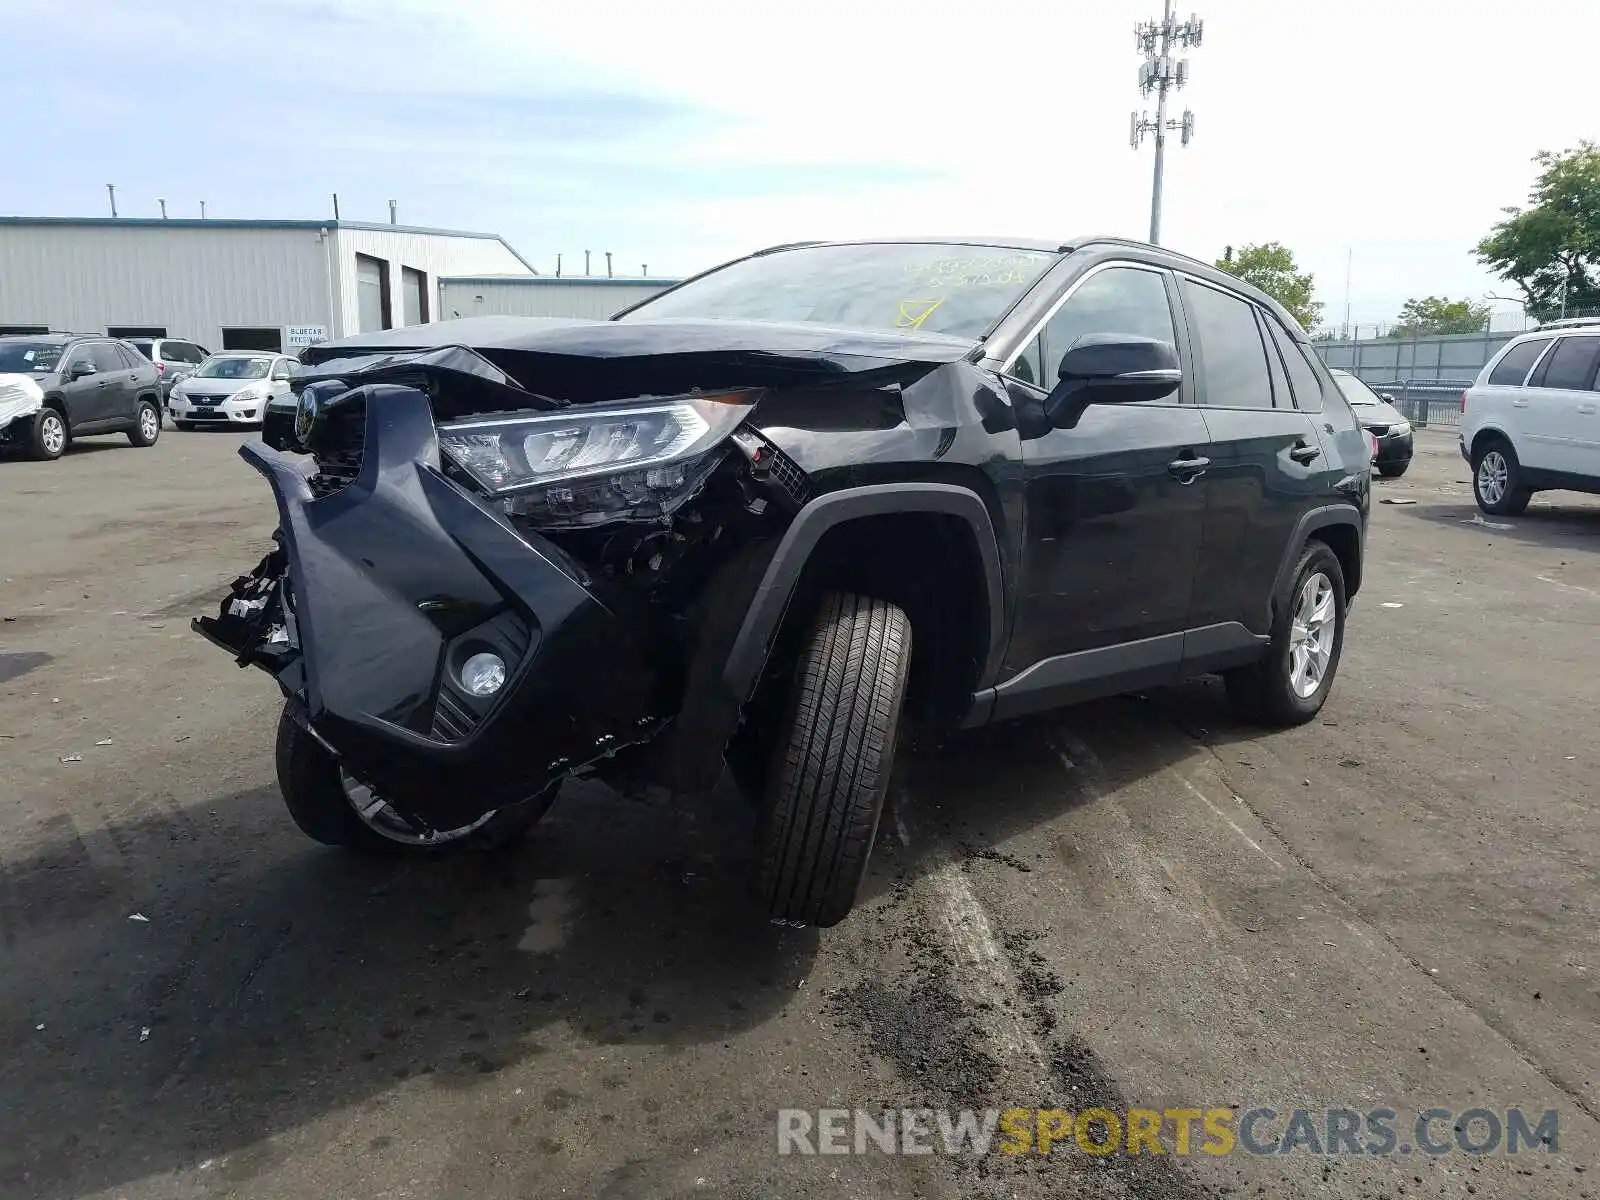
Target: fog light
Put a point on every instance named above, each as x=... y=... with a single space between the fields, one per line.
x=483 y=674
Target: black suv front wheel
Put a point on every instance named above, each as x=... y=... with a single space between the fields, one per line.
x=49 y=436
x=830 y=772
x=333 y=807
x=1288 y=685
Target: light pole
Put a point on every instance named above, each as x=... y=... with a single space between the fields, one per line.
x=1160 y=73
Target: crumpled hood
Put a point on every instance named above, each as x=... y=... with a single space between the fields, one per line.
x=588 y=361
x=20 y=396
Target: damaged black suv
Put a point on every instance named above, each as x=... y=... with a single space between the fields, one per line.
x=777 y=517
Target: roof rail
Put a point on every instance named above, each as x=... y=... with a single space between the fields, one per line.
x=1570 y=323
x=1116 y=240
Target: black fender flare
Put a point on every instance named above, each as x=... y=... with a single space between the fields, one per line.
x=58 y=401
x=748 y=656
x=1323 y=517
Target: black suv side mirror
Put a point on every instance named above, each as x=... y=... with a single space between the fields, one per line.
x=81 y=368
x=1111 y=368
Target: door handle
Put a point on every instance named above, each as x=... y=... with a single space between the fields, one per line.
x=1586 y=409
x=1187 y=470
x=1303 y=453
x=1519 y=404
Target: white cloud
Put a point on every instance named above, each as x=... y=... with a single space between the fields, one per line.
x=1394 y=131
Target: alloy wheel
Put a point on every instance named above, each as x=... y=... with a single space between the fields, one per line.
x=378 y=815
x=149 y=424
x=53 y=434
x=1311 y=635
x=1493 y=474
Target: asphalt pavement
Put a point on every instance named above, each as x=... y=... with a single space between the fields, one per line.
x=1137 y=903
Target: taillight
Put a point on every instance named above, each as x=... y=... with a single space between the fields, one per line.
x=1372 y=444
x=1463 y=402
x=161 y=368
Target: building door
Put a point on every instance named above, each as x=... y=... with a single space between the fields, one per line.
x=372 y=294
x=253 y=339
x=413 y=297
x=132 y=331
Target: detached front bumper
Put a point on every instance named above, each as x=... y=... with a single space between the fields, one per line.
x=383 y=586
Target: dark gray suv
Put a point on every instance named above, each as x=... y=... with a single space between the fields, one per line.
x=58 y=386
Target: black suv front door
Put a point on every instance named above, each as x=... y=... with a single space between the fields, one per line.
x=1115 y=506
x=1269 y=463
x=84 y=388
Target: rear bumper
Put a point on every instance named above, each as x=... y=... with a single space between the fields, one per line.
x=382 y=588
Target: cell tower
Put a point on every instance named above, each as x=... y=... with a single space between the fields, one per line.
x=1160 y=73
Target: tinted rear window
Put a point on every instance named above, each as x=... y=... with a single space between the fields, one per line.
x=1513 y=368
x=1571 y=363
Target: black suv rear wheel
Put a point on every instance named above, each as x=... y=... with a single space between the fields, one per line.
x=831 y=767
x=1288 y=685
x=332 y=807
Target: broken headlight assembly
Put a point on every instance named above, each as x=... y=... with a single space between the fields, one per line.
x=592 y=464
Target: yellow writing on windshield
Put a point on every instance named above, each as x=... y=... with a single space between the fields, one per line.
x=914 y=312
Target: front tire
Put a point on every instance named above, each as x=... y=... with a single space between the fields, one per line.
x=333 y=808
x=831 y=765
x=48 y=438
x=1497 y=479
x=1290 y=683
x=146 y=430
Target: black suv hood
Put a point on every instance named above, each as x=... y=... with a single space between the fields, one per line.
x=587 y=361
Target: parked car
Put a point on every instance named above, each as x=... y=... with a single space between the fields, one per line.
x=1391 y=432
x=230 y=388
x=57 y=387
x=769 y=516
x=1531 y=420
x=174 y=358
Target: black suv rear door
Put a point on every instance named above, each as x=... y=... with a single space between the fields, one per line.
x=1113 y=515
x=1269 y=466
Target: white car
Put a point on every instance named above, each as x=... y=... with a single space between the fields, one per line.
x=230 y=388
x=1531 y=420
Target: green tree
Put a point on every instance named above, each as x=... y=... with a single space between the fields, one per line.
x=1271 y=267
x=1551 y=248
x=1436 y=314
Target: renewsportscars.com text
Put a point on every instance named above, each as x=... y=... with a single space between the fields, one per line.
x=1377 y=1132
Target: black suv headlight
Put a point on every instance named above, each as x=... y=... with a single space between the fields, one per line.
x=591 y=464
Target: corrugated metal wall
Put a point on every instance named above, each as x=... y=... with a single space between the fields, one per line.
x=1387 y=360
x=544 y=296
x=434 y=254
x=191 y=281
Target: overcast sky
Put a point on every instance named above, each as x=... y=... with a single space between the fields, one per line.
x=682 y=133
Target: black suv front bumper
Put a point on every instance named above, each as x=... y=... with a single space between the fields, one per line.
x=380 y=589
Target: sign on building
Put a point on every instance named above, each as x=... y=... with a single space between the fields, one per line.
x=298 y=337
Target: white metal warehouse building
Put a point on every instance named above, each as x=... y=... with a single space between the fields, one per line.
x=595 y=296
x=249 y=285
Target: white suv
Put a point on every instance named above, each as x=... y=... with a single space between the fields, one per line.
x=1531 y=421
